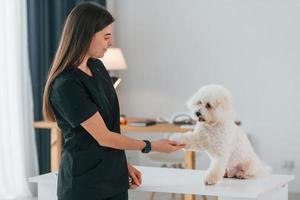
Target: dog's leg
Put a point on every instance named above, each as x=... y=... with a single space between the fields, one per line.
x=245 y=170
x=215 y=171
x=230 y=173
x=192 y=139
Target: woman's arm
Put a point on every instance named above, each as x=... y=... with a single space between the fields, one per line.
x=96 y=127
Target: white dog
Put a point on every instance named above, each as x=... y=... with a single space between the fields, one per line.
x=216 y=133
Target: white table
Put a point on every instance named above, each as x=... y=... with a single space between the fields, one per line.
x=273 y=187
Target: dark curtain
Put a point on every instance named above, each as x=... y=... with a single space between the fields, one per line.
x=45 y=23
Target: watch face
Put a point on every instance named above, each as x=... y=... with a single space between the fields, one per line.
x=146 y=150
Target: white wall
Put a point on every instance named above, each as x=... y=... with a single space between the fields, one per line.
x=173 y=47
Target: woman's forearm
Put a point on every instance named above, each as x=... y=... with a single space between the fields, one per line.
x=117 y=141
x=96 y=127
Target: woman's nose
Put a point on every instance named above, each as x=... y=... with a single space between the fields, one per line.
x=109 y=43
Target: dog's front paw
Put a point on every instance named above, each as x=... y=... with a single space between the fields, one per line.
x=211 y=179
x=176 y=137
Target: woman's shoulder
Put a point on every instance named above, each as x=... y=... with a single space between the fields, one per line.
x=65 y=79
x=96 y=63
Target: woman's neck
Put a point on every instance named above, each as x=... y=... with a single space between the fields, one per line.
x=84 y=67
x=83 y=64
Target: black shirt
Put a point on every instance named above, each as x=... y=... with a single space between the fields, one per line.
x=87 y=169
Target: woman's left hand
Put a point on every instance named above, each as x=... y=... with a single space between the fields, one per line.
x=135 y=175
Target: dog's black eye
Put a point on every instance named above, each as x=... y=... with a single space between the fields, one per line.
x=208 y=106
x=198 y=103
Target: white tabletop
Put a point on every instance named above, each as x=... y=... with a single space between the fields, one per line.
x=191 y=182
x=186 y=181
x=45 y=178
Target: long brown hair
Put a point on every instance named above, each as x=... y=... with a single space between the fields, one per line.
x=81 y=24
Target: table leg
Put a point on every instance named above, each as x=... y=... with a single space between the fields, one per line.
x=189 y=158
x=56 y=143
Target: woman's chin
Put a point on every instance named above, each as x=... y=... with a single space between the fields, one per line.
x=99 y=55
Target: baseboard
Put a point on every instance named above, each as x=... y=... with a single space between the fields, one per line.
x=294 y=196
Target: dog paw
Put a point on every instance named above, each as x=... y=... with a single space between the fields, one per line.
x=241 y=175
x=230 y=173
x=176 y=137
x=211 y=179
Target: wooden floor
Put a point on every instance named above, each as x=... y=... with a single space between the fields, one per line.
x=137 y=196
x=158 y=196
x=161 y=196
x=164 y=196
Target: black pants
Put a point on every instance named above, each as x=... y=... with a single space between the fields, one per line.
x=121 y=196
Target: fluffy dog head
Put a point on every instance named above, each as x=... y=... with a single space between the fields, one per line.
x=212 y=103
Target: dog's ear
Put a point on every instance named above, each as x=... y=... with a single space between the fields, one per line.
x=191 y=102
x=227 y=105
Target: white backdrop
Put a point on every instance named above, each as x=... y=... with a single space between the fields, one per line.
x=18 y=158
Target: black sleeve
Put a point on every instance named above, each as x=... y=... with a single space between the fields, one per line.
x=71 y=99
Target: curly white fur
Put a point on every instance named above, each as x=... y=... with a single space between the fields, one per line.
x=216 y=133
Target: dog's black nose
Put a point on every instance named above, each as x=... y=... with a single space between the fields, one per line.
x=198 y=113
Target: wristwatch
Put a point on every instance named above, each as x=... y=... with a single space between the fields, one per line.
x=147 y=148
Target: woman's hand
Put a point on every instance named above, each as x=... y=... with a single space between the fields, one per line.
x=135 y=175
x=166 y=146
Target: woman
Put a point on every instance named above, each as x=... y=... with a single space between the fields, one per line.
x=79 y=95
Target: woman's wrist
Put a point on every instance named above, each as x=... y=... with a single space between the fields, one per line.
x=153 y=146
